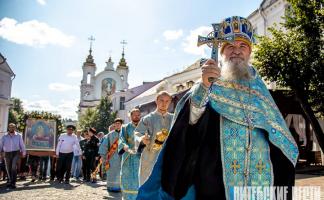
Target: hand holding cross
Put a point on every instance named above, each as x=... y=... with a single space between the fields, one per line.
x=210 y=69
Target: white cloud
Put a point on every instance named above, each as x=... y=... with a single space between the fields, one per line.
x=75 y=74
x=172 y=34
x=156 y=41
x=35 y=96
x=190 y=42
x=62 y=87
x=33 y=33
x=68 y=108
x=38 y=105
x=65 y=108
x=41 y=2
x=166 y=48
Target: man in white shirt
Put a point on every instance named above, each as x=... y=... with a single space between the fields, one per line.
x=64 y=152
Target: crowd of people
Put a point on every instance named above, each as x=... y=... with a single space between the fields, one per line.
x=87 y=155
x=225 y=132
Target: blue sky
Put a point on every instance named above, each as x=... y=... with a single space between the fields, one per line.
x=45 y=41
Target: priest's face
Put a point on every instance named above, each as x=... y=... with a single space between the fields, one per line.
x=136 y=117
x=235 y=61
x=162 y=103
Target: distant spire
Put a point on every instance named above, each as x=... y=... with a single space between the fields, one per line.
x=91 y=38
x=109 y=60
x=90 y=59
x=109 y=64
x=122 y=61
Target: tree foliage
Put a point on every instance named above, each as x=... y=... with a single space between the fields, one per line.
x=99 y=117
x=16 y=111
x=18 y=116
x=293 y=57
x=105 y=114
x=88 y=118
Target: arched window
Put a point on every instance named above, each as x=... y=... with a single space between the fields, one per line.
x=88 y=78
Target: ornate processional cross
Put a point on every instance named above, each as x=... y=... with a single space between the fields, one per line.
x=213 y=39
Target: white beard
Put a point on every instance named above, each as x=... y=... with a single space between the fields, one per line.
x=235 y=69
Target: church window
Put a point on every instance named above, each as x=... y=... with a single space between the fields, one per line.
x=88 y=78
x=122 y=77
x=122 y=103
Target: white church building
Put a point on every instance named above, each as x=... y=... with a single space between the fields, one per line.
x=94 y=85
x=6 y=77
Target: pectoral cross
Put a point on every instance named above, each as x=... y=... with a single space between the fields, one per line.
x=260 y=166
x=235 y=166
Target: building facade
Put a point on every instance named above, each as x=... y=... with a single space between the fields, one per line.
x=95 y=86
x=6 y=77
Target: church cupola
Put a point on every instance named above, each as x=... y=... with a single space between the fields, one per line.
x=109 y=65
x=89 y=60
x=122 y=62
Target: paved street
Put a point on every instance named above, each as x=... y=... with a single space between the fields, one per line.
x=78 y=191
x=52 y=190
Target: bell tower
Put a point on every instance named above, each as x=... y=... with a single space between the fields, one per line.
x=89 y=70
x=122 y=68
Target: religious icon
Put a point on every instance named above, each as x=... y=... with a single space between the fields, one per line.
x=236 y=28
x=40 y=134
x=108 y=87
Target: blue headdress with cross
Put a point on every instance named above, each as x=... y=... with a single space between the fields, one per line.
x=229 y=30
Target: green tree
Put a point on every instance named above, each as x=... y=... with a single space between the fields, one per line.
x=105 y=114
x=293 y=58
x=16 y=111
x=89 y=118
x=17 y=105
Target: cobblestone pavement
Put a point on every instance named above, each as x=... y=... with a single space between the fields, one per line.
x=311 y=180
x=78 y=190
x=47 y=190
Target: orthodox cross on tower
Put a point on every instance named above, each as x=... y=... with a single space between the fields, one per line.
x=91 y=38
x=123 y=43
